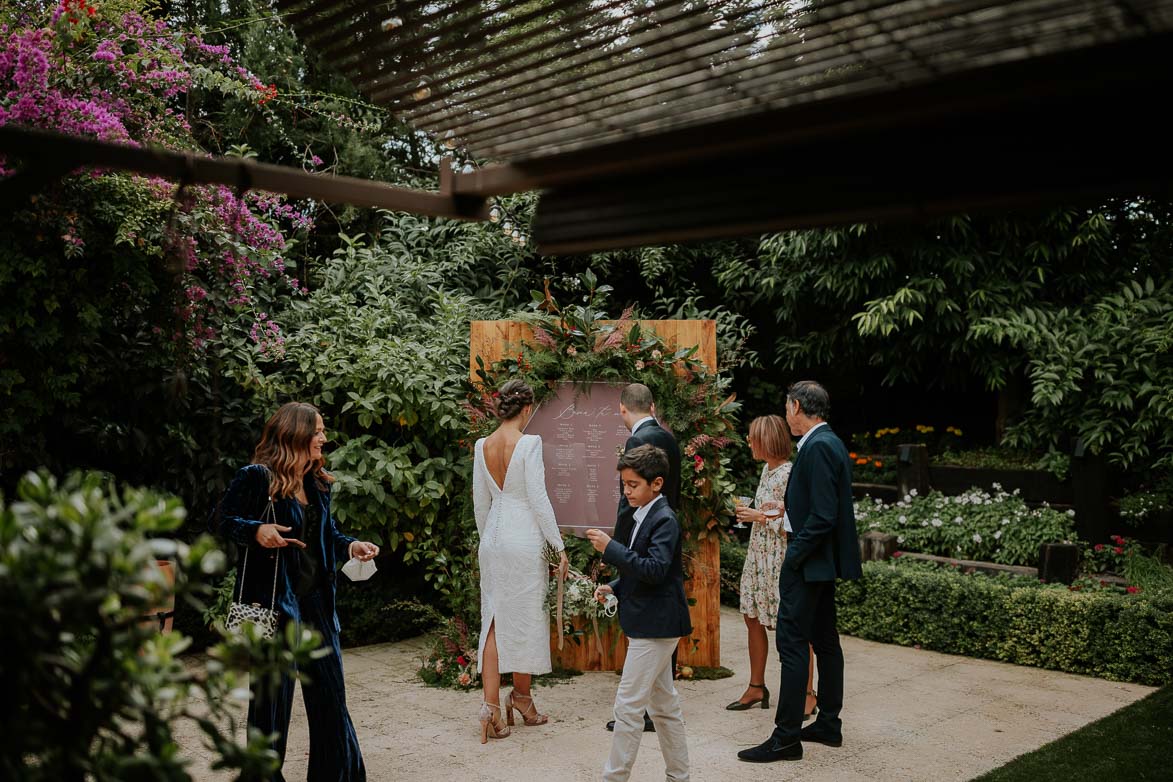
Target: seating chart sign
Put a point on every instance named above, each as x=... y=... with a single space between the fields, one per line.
x=582 y=434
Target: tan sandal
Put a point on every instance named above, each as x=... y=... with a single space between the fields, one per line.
x=529 y=715
x=490 y=727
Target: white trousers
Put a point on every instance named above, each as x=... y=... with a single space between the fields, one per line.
x=647 y=685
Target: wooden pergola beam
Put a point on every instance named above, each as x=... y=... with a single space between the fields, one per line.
x=45 y=156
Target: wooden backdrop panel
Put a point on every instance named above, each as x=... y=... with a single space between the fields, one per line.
x=492 y=340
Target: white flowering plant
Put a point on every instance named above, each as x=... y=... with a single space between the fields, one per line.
x=992 y=527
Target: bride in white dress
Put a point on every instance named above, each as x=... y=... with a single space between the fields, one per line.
x=515 y=519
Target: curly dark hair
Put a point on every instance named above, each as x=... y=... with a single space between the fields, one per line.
x=512 y=397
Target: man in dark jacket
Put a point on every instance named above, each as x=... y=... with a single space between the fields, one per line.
x=822 y=546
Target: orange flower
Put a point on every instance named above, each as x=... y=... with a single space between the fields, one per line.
x=861 y=460
x=853 y=455
x=878 y=463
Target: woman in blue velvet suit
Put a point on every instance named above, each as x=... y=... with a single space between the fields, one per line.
x=303 y=546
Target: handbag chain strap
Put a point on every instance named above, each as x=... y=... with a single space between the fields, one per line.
x=268 y=516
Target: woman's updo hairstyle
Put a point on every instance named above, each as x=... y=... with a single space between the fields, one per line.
x=512 y=397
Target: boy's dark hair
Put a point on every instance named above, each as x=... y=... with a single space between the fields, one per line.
x=648 y=461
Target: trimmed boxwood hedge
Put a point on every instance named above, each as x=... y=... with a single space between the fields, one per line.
x=1017 y=620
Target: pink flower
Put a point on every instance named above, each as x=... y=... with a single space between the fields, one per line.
x=464 y=679
x=1118 y=550
x=639 y=365
x=1132 y=590
x=896 y=554
x=1099 y=547
x=570 y=351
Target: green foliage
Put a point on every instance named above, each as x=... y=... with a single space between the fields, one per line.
x=996 y=527
x=90 y=689
x=381 y=347
x=732 y=563
x=989 y=459
x=1150 y=499
x=1017 y=620
x=1100 y=370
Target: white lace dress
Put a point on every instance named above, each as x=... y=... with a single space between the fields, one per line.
x=514 y=521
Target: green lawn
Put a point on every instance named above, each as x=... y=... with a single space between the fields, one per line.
x=1134 y=744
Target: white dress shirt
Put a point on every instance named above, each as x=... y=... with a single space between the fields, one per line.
x=641 y=513
x=803 y=439
x=640 y=423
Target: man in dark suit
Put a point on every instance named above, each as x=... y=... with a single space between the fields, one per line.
x=637 y=408
x=820 y=525
x=638 y=411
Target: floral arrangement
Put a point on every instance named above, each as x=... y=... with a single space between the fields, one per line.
x=574 y=343
x=993 y=527
x=452 y=661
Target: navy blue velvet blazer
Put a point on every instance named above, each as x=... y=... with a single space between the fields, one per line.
x=650 y=586
x=824 y=545
x=238 y=518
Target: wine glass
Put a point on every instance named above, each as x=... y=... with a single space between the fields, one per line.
x=738 y=502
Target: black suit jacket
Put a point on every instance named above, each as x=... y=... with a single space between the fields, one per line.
x=650 y=433
x=824 y=545
x=650 y=586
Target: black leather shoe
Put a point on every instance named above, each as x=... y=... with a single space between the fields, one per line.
x=770 y=751
x=814 y=733
x=649 y=726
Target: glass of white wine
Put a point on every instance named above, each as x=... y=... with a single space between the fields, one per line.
x=741 y=501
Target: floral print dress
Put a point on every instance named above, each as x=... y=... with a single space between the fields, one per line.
x=767 y=549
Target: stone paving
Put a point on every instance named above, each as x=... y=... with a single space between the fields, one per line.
x=908 y=715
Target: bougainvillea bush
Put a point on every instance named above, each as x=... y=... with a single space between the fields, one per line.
x=122 y=289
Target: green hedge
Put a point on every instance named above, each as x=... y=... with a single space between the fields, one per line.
x=1104 y=634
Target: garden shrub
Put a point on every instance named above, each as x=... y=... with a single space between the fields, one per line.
x=1114 y=636
x=91 y=691
x=732 y=562
x=997 y=527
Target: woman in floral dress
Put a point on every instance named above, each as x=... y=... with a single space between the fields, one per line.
x=769 y=441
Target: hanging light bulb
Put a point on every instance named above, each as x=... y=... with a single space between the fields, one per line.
x=523 y=240
x=507 y=227
x=516 y=235
x=495 y=214
x=422 y=90
x=391 y=23
x=468 y=168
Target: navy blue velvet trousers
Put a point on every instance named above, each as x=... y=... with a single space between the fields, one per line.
x=806 y=618
x=334 y=752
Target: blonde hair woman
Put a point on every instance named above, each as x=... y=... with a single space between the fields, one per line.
x=769 y=442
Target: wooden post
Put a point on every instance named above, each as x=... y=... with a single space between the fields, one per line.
x=491 y=340
x=874 y=545
x=1058 y=562
x=912 y=469
x=1089 y=485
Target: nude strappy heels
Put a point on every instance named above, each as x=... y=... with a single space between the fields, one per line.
x=491 y=726
x=529 y=714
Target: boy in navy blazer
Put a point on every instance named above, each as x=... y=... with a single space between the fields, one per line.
x=653 y=613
